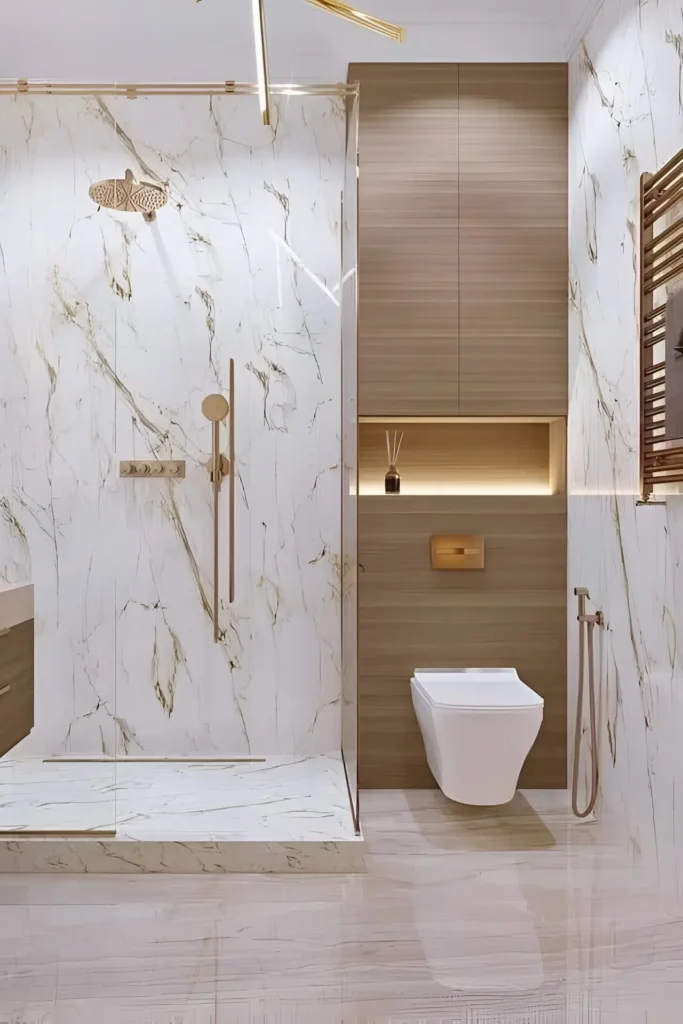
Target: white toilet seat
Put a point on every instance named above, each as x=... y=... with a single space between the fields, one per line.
x=488 y=689
x=478 y=727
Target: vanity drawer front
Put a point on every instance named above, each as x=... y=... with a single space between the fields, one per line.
x=16 y=685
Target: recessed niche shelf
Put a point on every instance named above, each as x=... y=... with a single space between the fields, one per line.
x=466 y=455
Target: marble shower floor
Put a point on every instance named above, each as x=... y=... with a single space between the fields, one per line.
x=512 y=916
x=279 y=814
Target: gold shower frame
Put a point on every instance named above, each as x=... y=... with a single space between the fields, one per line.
x=131 y=90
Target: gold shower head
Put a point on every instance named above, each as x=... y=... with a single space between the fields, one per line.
x=129 y=196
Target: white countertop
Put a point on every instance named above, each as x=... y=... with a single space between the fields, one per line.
x=16 y=604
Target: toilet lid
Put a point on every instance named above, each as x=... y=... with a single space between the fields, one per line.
x=484 y=689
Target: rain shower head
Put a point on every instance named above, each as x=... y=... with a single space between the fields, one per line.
x=128 y=195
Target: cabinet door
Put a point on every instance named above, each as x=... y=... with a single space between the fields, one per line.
x=408 y=238
x=513 y=239
x=16 y=685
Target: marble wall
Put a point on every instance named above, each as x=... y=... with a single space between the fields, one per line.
x=112 y=331
x=626 y=89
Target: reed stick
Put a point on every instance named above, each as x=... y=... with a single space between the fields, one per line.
x=394 y=446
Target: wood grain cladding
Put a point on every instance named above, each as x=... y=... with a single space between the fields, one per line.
x=513 y=238
x=463 y=239
x=450 y=457
x=513 y=613
x=16 y=671
x=408 y=229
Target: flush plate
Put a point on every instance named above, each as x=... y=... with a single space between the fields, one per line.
x=457 y=551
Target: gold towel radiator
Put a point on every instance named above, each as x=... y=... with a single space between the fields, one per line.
x=216 y=408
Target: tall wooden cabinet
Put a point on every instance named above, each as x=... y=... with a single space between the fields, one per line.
x=462 y=341
x=463 y=239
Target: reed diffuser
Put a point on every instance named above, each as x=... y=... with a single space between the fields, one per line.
x=392 y=481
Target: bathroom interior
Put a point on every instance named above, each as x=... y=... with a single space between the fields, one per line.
x=341 y=453
x=195 y=472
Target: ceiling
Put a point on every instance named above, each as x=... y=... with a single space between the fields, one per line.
x=180 y=40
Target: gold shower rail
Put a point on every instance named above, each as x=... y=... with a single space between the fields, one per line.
x=661 y=261
x=131 y=90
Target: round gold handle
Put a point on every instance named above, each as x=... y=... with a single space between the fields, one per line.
x=215 y=408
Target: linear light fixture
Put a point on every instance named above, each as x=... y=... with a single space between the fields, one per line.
x=343 y=10
x=261 y=58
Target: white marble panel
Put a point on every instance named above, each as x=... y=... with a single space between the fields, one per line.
x=113 y=331
x=180 y=857
x=626 y=119
x=283 y=798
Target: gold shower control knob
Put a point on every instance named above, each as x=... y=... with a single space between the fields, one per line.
x=159 y=468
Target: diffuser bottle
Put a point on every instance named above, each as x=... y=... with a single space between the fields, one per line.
x=392 y=480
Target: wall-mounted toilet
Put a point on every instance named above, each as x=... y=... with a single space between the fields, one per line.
x=478 y=726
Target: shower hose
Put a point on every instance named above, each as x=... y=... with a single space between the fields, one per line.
x=587 y=624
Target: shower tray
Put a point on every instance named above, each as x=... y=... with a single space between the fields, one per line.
x=276 y=814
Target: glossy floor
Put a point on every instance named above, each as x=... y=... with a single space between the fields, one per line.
x=514 y=916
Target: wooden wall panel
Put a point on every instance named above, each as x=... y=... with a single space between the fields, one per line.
x=513 y=613
x=408 y=224
x=513 y=229
x=16 y=685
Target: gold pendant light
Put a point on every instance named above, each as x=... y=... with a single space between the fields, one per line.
x=338 y=7
x=259 y=17
x=343 y=10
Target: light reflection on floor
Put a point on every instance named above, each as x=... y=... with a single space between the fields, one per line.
x=514 y=917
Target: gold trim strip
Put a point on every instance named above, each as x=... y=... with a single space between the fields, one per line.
x=458 y=420
x=132 y=759
x=58 y=833
x=231 y=483
x=130 y=90
x=356 y=17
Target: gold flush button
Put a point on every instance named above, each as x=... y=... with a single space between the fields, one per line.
x=457 y=551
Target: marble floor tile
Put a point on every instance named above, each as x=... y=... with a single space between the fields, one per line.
x=513 y=916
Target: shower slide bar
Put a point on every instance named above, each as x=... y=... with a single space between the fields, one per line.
x=216 y=408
